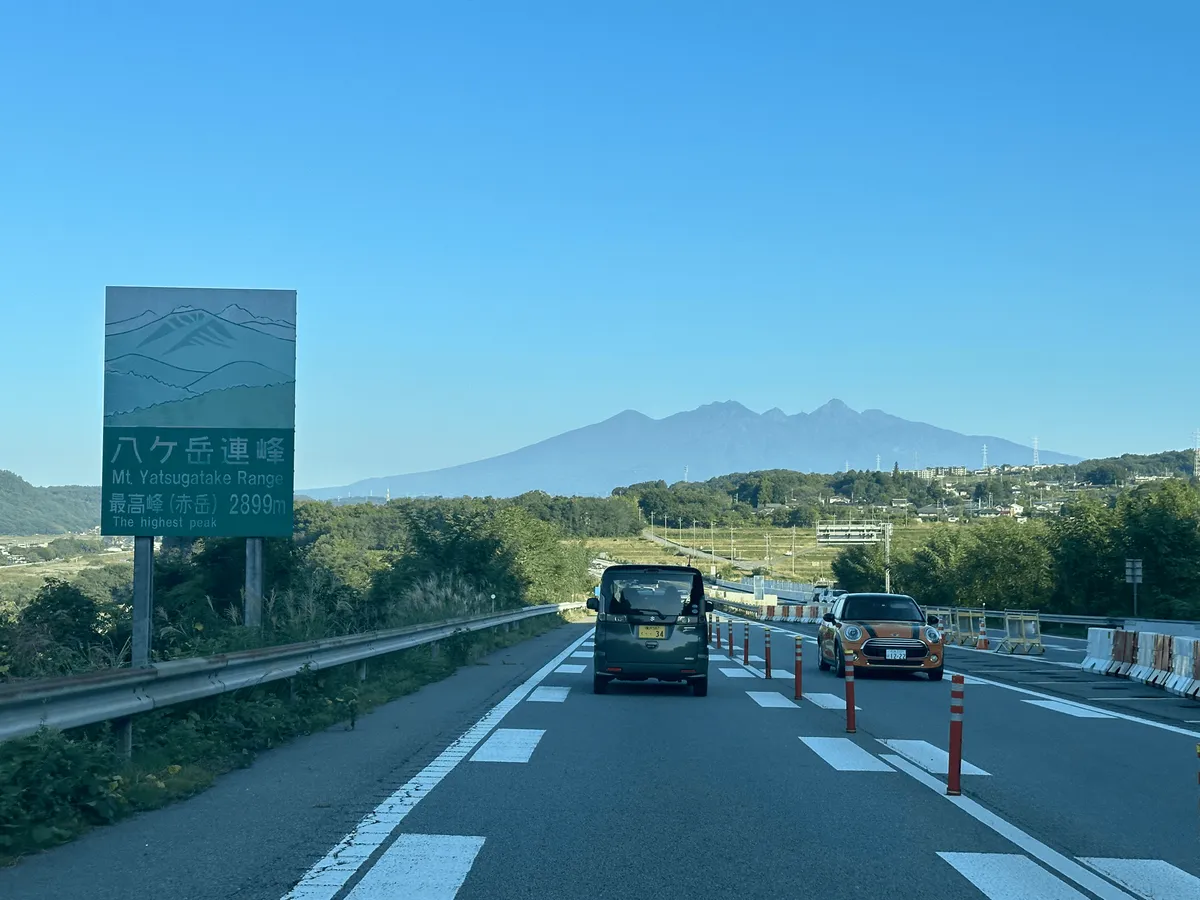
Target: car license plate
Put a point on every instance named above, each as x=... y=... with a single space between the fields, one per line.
x=897 y=654
x=652 y=632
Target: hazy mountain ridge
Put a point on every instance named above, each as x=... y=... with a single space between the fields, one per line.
x=711 y=440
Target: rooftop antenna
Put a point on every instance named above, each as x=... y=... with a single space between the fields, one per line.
x=1035 y=450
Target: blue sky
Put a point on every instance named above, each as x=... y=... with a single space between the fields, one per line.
x=505 y=220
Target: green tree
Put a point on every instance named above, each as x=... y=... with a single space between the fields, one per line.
x=1008 y=566
x=1160 y=524
x=860 y=568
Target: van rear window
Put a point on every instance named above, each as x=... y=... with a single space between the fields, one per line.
x=651 y=593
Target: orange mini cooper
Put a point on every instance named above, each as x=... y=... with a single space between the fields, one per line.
x=880 y=631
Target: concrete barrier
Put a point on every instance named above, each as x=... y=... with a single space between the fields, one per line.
x=1100 y=650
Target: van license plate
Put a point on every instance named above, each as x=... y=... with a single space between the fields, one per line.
x=897 y=654
x=652 y=632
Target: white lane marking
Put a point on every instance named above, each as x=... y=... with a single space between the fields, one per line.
x=1036 y=659
x=930 y=758
x=771 y=699
x=549 y=694
x=331 y=873
x=1152 y=879
x=845 y=755
x=1031 y=845
x=782 y=673
x=509 y=745
x=1010 y=876
x=582 y=655
x=828 y=701
x=420 y=867
x=735 y=673
x=571 y=669
x=754 y=658
x=1065 y=649
x=1067 y=709
x=1116 y=715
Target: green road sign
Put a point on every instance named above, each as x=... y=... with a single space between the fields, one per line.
x=199 y=412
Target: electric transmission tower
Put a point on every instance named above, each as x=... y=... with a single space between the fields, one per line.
x=1196 y=453
x=985 y=468
x=1035 y=450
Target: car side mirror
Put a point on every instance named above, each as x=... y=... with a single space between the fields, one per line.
x=708 y=606
x=933 y=620
x=828 y=617
x=592 y=603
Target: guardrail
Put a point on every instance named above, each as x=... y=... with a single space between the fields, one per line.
x=95 y=697
x=1118 y=622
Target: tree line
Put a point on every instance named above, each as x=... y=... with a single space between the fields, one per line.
x=348 y=569
x=1072 y=563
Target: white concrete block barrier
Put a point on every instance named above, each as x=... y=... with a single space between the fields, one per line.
x=1100 y=650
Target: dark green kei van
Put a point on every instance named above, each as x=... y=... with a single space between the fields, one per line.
x=651 y=622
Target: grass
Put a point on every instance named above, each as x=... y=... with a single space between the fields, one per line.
x=18 y=584
x=55 y=786
x=811 y=560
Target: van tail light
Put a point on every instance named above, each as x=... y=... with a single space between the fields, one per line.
x=613 y=669
x=687 y=672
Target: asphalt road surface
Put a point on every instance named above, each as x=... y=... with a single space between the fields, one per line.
x=513 y=780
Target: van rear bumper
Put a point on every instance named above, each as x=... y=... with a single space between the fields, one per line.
x=639 y=671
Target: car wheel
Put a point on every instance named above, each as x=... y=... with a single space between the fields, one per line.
x=840 y=664
x=700 y=687
x=599 y=685
x=936 y=674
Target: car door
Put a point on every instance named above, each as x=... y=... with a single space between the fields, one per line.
x=828 y=636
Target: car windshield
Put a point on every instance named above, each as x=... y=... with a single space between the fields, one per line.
x=651 y=594
x=881 y=607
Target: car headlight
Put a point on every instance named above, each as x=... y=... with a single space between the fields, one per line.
x=933 y=635
x=852 y=633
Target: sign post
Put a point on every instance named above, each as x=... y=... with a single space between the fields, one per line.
x=199 y=425
x=1133 y=575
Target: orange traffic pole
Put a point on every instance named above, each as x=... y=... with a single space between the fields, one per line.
x=799 y=660
x=954 y=773
x=767 y=654
x=850 y=721
x=746 y=645
x=731 y=638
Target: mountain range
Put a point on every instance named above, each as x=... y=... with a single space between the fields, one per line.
x=711 y=440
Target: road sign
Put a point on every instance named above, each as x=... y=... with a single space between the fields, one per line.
x=866 y=533
x=1133 y=571
x=199 y=412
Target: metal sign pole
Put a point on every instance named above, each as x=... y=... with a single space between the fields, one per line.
x=252 y=617
x=143 y=600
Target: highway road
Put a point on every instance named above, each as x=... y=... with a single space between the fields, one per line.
x=513 y=780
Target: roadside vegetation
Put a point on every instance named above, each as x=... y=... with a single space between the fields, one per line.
x=1072 y=563
x=55 y=786
x=350 y=569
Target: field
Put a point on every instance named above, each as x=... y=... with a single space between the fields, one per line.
x=750 y=548
x=19 y=583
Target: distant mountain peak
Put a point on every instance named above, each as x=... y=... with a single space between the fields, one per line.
x=709 y=440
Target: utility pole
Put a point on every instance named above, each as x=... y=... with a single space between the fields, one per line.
x=794 y=555
x=887 y=558
x=768 y=550
x=731 y=556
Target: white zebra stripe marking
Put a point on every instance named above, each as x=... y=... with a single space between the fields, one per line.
x=420 y=867
x=509 y=745
x=1010 y=876
x=845 y=755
